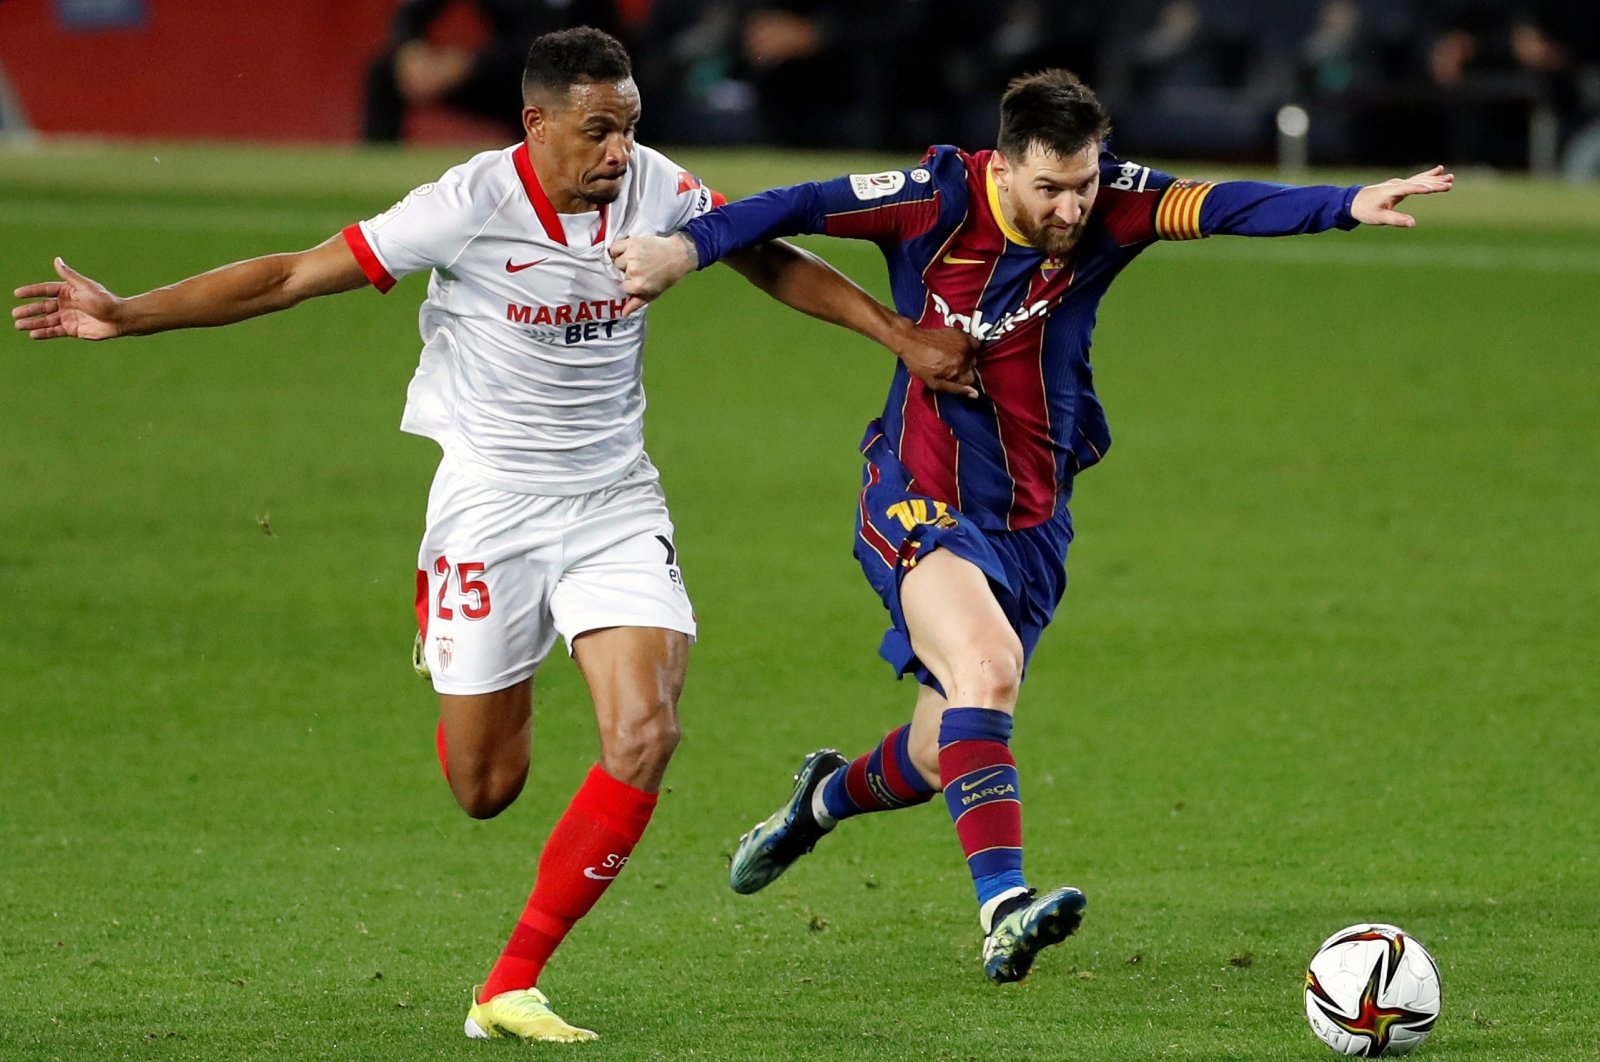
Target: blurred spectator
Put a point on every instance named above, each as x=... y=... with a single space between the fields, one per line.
x=1183 y=73
x=484 y=82
x=893 y=75
x=1480 y=36
x=690 y=67
x=1356 y=70
x=807 y=73
x=1579 y=30
x=13 y=122
x=1500 y=69
x=978 y=49
x=1193 y=45
x=816 y=67
x=1358 y=46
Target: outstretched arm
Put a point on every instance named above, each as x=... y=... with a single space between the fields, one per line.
x=1140 y=204
x=78 y=306
x=942 y=358
x=888 y=207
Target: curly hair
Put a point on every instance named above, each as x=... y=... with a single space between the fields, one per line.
x=559 y=60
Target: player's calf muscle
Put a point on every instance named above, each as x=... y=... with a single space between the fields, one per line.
x=636 y=749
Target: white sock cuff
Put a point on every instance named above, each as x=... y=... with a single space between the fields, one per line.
x=986 y=912
x=819 y=811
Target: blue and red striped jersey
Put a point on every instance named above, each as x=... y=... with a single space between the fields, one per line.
x=1007 y=458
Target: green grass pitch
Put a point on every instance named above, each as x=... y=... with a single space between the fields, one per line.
x=1329 y=656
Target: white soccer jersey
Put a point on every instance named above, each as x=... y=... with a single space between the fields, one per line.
x=530 y=377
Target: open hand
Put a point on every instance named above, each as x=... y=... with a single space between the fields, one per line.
x=72 y=306
x=1375 y=204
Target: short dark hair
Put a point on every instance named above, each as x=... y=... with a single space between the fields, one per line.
x=1051 y=110
x=559 y=60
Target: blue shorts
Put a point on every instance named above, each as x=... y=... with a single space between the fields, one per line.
x=895 y=528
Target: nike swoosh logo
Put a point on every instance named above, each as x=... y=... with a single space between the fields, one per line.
x=967 y=787
x=951 y=259
x=588 y=872
x=511 y=268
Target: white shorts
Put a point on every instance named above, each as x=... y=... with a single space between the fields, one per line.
x=500 y=574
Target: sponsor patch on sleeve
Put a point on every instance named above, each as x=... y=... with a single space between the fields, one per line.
x=1131 y=177
x=390 y=214
x=877 y=185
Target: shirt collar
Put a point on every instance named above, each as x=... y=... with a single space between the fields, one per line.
x=999 y=215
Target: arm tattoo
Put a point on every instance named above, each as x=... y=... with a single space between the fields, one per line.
x=694 y=252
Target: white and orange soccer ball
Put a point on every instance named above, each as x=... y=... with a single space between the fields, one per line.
x=1372 y=989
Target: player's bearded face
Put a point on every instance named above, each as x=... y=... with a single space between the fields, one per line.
x=587 y=139
x=1048 y=198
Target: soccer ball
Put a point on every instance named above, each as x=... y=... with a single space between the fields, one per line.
x=1372 y=990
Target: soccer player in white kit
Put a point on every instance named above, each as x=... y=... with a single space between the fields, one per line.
x=545 y=516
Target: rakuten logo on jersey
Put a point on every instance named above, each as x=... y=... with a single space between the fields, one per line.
x=974 y=325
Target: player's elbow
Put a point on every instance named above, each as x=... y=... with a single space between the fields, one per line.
x=323 y=270
x=297 y=281
x=776 y=267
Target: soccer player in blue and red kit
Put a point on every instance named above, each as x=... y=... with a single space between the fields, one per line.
x=962 y=526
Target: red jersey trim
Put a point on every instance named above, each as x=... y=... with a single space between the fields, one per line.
x=541 y=203
x=422 y=602
x=543 y=208
x=356 y=240
x=875 y=539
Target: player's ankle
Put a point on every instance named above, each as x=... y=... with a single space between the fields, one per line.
x=998 y=907
x=817 y=808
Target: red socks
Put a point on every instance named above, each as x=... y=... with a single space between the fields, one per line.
x=587 y=849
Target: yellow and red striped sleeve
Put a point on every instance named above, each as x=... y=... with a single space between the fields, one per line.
x=1178 y=213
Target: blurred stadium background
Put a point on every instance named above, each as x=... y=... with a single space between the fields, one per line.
x=1328 y=655
x=1505 y=83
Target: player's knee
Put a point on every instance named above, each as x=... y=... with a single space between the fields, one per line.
x=988 y=675
x=485 y=792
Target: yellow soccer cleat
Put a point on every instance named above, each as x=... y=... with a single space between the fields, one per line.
x=419 y=659
x=524 y=1013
